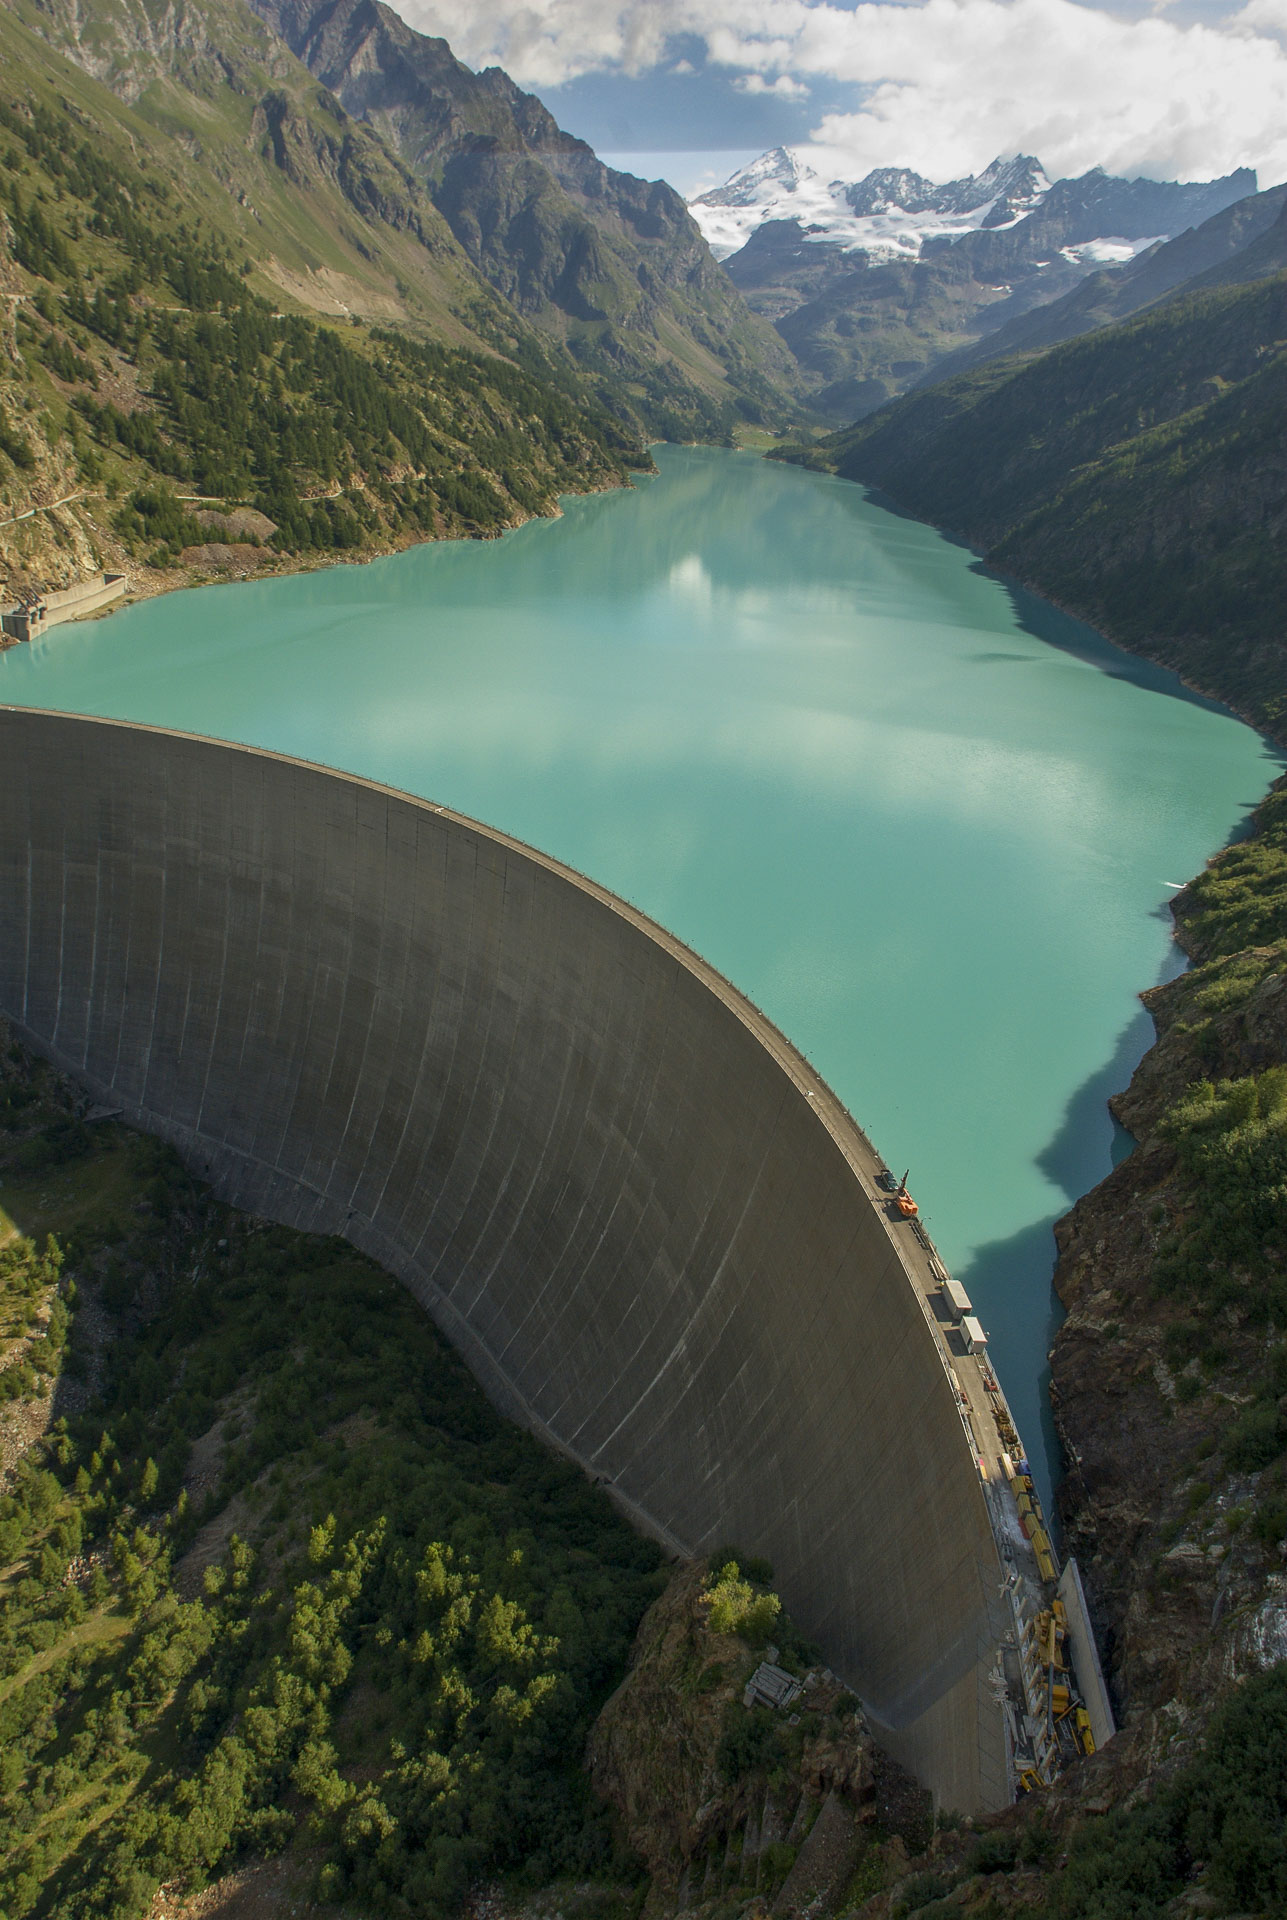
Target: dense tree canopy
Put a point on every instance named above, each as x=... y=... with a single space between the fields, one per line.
x=372 y=1617
x=346 y=437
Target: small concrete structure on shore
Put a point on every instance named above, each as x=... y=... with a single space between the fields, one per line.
x=30 y=612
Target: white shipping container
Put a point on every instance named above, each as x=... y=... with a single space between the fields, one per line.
x=957 y=1298
x=975 y=1338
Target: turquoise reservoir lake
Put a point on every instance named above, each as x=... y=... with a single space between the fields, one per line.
x=924 y=820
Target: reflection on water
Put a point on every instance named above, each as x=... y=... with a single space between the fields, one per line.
x=786 y=721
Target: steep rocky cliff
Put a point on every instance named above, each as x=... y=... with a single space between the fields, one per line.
x=612 y=266
x=702 y=1785
x=1170 y=1371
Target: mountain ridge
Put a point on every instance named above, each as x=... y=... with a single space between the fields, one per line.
x=876 y=214
x=326 y=214
x=1136 y=475
x=1240 y=243
x=872 y=301
x=162 y=394
x=612 y=267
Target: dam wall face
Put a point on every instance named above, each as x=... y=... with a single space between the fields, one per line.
x=645 y=1222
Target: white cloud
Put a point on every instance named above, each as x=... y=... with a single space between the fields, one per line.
x=543 y=43
x=940 y=85
x=1077 y=87
x=1263 y=16
x=783 y=88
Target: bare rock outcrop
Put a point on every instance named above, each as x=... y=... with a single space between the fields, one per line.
x=701 y=1817
x=1184 y=1572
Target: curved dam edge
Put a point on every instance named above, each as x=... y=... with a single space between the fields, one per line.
x=648 y=1225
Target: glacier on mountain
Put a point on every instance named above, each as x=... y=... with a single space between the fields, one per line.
x=895 y=214
x=892 y=211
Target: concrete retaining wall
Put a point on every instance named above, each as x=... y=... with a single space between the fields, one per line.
x=643 y=1219
x=29 y=618
x=84 y=597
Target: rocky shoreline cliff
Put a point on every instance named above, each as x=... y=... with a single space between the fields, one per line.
x=1168 y=1373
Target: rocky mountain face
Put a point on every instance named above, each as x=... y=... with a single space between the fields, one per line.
x=613 y=267
x=269 y=161
x=872 y=283
x=1007 y=189
x=686 y=1766
x=172 y=404
x=1168 y=1374
x=1244 y=242
x=891 y=210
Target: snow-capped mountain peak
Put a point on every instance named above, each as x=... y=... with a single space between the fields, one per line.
x=780 y=170
x=891 y=211
x=1022 y=180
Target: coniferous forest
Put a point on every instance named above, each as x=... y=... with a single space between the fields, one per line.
x=174 y=387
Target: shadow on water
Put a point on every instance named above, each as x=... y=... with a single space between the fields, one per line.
x=1056 y=628
x=1049 y=623
x=1087 y=1144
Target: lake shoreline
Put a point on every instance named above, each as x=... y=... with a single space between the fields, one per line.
x=1034 y=587
x=152 y=583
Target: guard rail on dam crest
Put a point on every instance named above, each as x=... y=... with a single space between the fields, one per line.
x=649 y=1227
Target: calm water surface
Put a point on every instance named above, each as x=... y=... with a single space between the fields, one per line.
x=926 y=822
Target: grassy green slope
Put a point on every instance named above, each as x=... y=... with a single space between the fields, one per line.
x=277 y=1577
x=141 y=365
x=613 y=268
x=1138 y=476
x=259 y=153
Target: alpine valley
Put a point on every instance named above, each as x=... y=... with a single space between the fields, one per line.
x=872 y=282
x=291 y=1622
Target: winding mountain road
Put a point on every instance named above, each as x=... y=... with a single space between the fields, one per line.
x=46 y=507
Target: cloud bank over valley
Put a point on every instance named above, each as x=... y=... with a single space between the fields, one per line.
x=941 y=86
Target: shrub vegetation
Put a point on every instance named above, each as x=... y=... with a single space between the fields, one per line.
x=1222 y=1820
x=286 y=1579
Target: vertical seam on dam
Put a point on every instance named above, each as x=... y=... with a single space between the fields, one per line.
x=649 y=1226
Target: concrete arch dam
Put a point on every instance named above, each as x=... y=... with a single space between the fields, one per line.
x=647 y=1224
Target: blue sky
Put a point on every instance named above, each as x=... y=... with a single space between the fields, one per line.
x=692 y=129
x=1187 y=89
x=663 y=108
